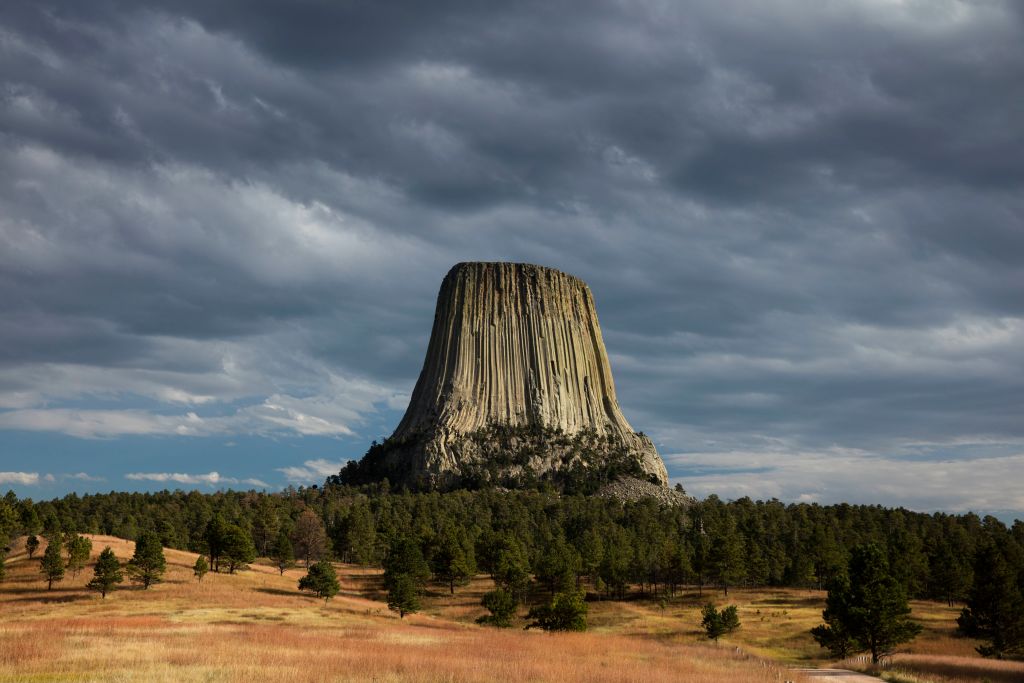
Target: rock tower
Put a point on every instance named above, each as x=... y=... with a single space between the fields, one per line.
x=515 y=388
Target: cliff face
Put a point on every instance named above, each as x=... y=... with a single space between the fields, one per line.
x=516 y=372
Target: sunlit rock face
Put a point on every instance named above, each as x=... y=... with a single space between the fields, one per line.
x=515 y=389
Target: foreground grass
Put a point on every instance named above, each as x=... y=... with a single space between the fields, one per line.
x=256 y=626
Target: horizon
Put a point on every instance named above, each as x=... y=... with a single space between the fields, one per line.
x=223 y=229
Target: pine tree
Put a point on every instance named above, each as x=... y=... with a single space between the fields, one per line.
x=867 y=611
x=403 y=595
x=725 y=556
x=502 y=607
x=200 y=568
x=106 y=574
x=32 y=545
x=52 y=564
x=282 y=553
x=995 y=606
x=322 y=580
x=79 y=549
x=404 y=558
x=717 y=624
x=566 y=612
x=237 y=549
x=451 y=563
x=148 y=564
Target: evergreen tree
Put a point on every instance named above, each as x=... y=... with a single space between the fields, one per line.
x=282 y=553
x=32 y=545
x=237 y=549
x=717 y=624
x=867 y=611
x=148 y=564
x=502 y=607
x=557 y=566
x=322 y=580
x=106 y=574
x=405 y=559
x=403 y=595
x=725 y=555
x=995 y=605
x=566 y=612
x=200 y=568
x=52 y=564
x=213 y=537
x=79 y=549
x=452 y=563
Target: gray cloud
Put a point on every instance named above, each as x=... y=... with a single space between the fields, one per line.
x=802 y=224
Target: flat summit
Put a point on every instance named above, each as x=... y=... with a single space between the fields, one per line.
x=515 y=389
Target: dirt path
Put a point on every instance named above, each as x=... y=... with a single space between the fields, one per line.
x=838 y=675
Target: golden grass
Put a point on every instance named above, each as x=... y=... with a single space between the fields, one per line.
x=257 y=626
x=939 y=668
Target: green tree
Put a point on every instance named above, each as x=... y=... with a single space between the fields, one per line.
x=558 y=566
x=322 y=580
x=282 y=553
x=717 y=624
x=106 y=574
x=32 y=545
x=452 y=563
x=213 y=537
x=502 y=606
x=148 y=564
x=79 y=549
x=995 y=606
x=200 y=568
x=725 y=555
x=868 y=610
x=404 y=595
x=237 y=549
x=404 y=558
x=566 y=612
x=52 y=564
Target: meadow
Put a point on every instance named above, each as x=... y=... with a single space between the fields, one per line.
x=256 y=625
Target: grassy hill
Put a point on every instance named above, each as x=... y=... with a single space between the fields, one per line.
x=256 y=625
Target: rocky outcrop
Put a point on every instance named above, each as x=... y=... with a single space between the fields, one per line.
x=630 y=489
x=515 y=387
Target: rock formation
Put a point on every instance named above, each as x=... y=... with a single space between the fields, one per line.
x=515 y=389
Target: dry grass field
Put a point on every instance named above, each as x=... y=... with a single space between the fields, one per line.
x=257 y=626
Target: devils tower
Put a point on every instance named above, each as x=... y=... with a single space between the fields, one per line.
x=515 y=390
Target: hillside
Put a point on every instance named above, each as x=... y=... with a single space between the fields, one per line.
x=256 y=626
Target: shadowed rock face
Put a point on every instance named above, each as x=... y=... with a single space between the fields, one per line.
x=516 y=382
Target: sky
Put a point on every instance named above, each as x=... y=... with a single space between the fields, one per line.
x=223 y=226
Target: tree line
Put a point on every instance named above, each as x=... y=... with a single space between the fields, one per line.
x=556 y=545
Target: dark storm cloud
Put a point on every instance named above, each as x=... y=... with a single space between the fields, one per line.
x=803 y=224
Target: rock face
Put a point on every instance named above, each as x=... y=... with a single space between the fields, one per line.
x=515 y=385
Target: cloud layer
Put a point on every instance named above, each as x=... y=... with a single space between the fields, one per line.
x=803 y=224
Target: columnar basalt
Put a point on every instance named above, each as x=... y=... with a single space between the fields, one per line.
x=516 y=388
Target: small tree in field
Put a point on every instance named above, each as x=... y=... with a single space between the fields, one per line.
x=283 y=554
x=867 y=610
x=322 y=580
x=106 y=574
x=502 y=607
x=79 y=549
x=717 y=624
x=200 y=568
x=52 y=564
x=148 y=564
x=566 y=612
x=32 y=545
x=404 y=595
x=237 y=549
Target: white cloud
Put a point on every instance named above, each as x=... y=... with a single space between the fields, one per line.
x=82 y=476
x=851 y=475
x=210 y=478
x=23 y=478
x=312 y=470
